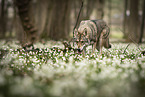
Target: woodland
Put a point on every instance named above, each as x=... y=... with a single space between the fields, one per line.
x=55 y=19
x=37 y=61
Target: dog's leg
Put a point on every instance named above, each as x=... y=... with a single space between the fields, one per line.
x=101 y=43
x=84 y=52
x=94 y=47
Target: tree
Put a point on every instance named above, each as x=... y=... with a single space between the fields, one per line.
x=142 y=24
x=126 y=18
x=3 y=18
x=133 y=21
x=100 y=9
x=27 y=24
x=58 y=20
x=41 y=14
x=110 y=10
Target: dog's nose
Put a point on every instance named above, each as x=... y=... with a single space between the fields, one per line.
x=109 y=45
x=79 y=50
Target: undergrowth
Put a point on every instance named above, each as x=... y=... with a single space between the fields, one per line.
x=49 y=72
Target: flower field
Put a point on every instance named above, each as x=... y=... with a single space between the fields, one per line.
x=118 y=72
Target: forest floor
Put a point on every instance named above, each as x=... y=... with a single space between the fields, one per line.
x=49 y=72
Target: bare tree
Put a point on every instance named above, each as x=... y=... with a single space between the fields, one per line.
x=60 y=18
x=142 y=24
x=48 y=19
x=100 y=9
x=133 y=21
x=27 y=24
x=3 y=18
x=126 y=18
x=110 y=10
x=89 y=5
x=40 y=11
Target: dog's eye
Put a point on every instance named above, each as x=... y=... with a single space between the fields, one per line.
x=82 y=41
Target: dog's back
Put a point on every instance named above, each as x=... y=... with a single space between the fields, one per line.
x=93 y=27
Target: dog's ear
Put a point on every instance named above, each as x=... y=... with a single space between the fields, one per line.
x=85 y=32
x=75 y=32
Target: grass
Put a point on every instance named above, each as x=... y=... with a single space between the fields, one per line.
x=118 y=72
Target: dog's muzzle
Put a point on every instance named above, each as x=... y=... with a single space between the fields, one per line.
x=109 y=46
x=79 y=51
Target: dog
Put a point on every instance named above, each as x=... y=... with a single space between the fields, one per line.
x=92 y=32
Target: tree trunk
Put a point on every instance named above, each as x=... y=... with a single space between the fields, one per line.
x=133 y=21
x=60 y=20
x=49 y=14
x=40 y=9
x=89 y=8
x=100 y=9
x=27 y=24
x=3 y=18
x=110 y=10
x=142 y=24
x=126 y=19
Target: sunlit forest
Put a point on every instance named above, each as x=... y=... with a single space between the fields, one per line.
x=72 y=48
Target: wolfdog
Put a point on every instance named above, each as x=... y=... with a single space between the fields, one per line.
x=92 y=32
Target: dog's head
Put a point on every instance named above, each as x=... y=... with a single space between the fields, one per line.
x=81 y=39
x=105 y=39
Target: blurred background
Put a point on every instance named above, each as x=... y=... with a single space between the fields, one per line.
x=35 y=20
